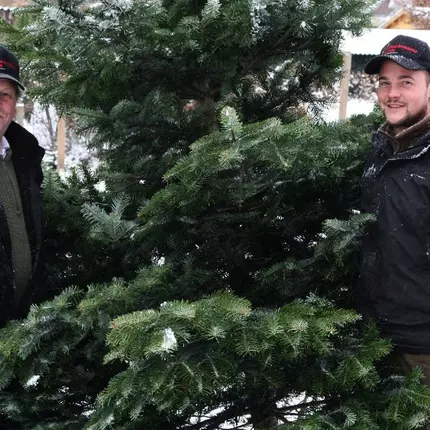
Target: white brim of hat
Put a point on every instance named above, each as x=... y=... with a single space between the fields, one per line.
x=10 y=78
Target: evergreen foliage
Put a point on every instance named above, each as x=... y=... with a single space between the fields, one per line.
x=210 y=284
x=70 y=253
x=150 y=77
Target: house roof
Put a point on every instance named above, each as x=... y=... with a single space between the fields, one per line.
x=6 y=13
x=383 y=8
x=388 y=21
x=372 y=40
x=14 y=3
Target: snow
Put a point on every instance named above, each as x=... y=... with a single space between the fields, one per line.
x=243 y=422
x=370 y=171
x=211 y=9
x=372 y=40
x=43 y=124
x=424 y=150
x=417 y=176
x=305 y=4
x=354 y=107
x=169 y=340
x=122 y=4
x=424 y=10
x=100 y=186
x=201 y=418
x=258 y=15
x=33 y=381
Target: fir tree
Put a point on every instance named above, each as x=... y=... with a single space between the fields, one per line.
x=210 y=284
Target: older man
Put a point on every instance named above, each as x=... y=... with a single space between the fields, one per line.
x=20 y=198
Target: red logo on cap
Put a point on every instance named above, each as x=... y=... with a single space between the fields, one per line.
x=392 y=49
x=4 y=64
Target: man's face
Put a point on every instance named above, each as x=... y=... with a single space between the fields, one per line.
x=403 y=95
x=7 y=104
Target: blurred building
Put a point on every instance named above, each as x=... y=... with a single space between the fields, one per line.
x=403 y=14
x=8 y=6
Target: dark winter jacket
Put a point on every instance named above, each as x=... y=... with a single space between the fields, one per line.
x=26 y=156
x=394 y=287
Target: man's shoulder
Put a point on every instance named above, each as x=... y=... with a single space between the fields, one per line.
x=23 y=143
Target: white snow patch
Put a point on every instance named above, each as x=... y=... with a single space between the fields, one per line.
x=424 y=150
x=370 y=171
x=169 y=340
x=43 y=123
x=33 y=381
x=258 y=15
x=122 y=4
x=354 y=107
x=417 y=176
x=305 y=4
x=100 y=186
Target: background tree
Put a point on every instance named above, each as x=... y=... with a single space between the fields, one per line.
x=209 y=284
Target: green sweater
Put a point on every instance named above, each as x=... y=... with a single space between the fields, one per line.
x=21 y=255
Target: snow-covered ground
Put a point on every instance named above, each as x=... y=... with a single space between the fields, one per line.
x=354 y=107
x=42 y=122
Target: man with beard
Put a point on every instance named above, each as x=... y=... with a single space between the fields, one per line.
x=394 y=286
x=20 y=199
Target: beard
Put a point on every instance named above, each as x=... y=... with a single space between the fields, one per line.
x=411 y=119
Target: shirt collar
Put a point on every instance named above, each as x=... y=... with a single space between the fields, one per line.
x=5 y=147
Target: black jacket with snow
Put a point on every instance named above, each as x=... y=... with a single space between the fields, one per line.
x=26 y=156
x=394 y=287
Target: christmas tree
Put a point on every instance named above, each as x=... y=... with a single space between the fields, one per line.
x=209 y=285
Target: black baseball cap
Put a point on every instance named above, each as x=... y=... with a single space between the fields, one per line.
x=9 y=66
x=406 y=51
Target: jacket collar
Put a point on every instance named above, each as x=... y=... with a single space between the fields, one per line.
x=408 y=137
x=23 y=144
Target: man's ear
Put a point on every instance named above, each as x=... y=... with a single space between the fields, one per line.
x=428 y=84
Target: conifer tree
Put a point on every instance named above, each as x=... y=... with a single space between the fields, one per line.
x=209 y=286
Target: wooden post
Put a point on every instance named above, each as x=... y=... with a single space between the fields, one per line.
x=19 y=113
x=61 y=144
x=344 y=85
